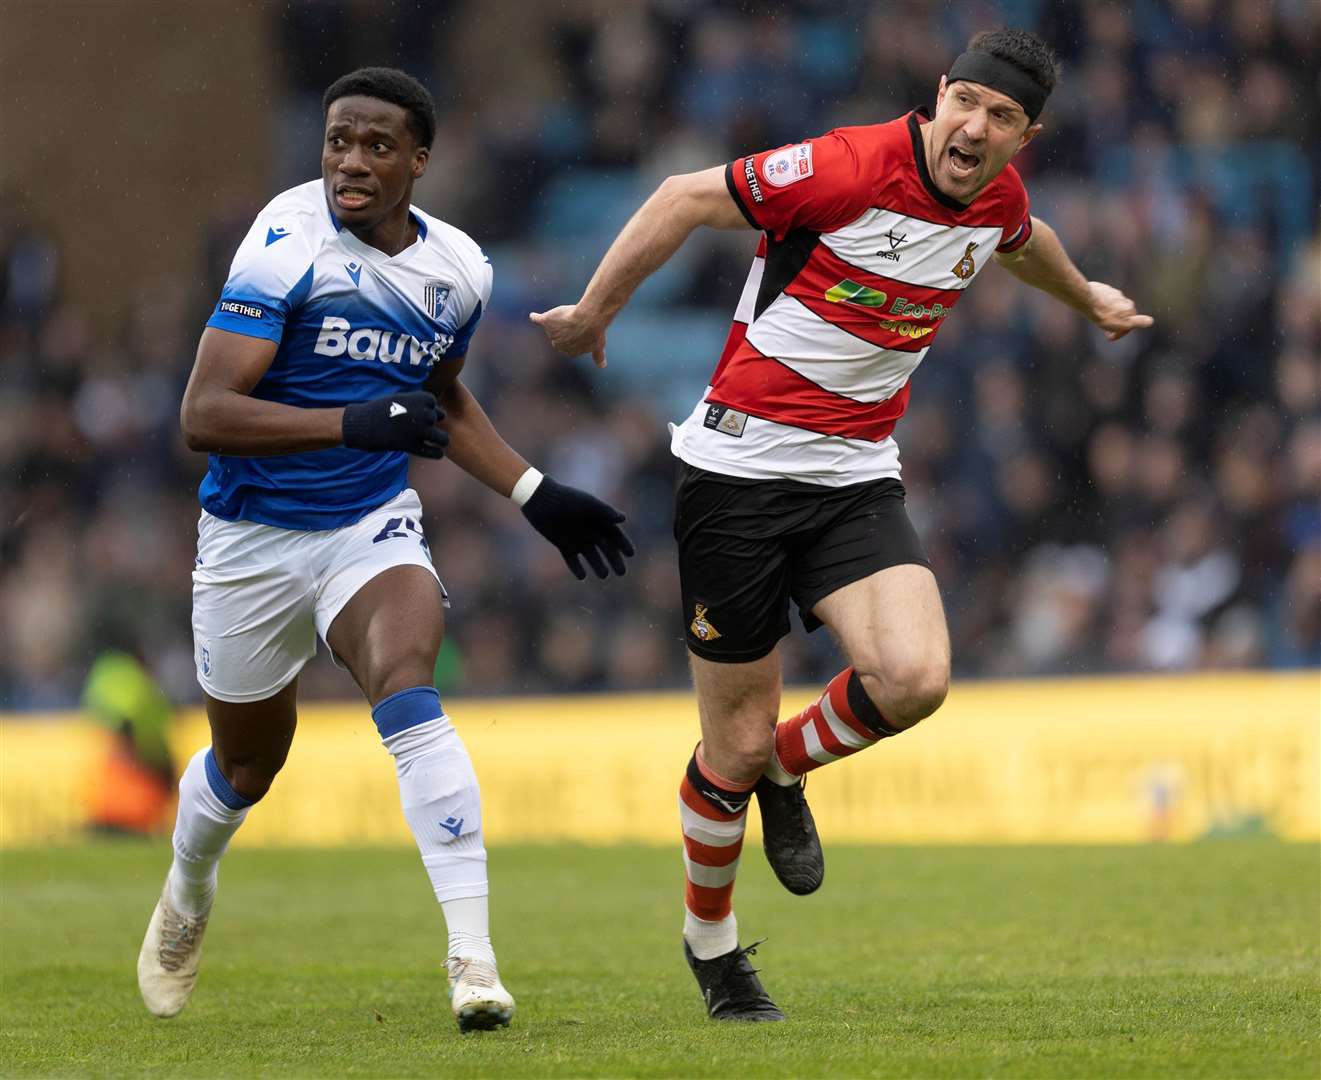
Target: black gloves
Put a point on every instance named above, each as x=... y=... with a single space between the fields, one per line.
x=407 y=422
x=578 y=524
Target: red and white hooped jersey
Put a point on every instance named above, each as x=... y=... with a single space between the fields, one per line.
x=861 y=260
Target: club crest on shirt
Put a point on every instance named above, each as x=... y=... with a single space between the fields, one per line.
x=965 y=267
x=721 y=418
x=701 y=625
x=788 y=166
x=434 y=296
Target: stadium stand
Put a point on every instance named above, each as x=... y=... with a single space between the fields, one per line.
x=1089 y=508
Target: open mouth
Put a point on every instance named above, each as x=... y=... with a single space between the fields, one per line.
x=962 y=163
x=351 y=197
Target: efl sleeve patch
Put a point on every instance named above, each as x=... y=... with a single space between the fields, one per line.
x=765 y=185
x=788 y=166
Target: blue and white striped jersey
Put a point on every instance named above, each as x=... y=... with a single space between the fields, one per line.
x=352 y=324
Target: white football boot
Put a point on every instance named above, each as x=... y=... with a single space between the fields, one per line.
x=478 y=999
x=171 y=953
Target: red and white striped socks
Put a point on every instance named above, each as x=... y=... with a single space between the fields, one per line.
x=839 y=723
x=714 y=812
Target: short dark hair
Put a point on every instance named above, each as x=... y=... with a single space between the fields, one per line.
x=1022 y=48
x=392 y=85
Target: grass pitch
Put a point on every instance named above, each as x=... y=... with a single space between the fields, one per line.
x=1199 y=960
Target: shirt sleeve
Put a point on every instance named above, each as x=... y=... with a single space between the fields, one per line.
x=269 y=277
x=1018 y=217
x=463 y=336
x=820 y=184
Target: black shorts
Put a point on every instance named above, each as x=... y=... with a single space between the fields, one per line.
x=747 y=546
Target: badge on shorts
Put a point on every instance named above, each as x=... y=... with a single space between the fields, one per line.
x=701 y=625
x=730 y=421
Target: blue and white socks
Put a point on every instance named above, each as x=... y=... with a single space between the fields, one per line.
x=442 y=804
x=210 y=812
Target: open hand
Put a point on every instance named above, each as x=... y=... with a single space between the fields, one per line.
x=572 y=332
x=581 y=526
x=1114 y=312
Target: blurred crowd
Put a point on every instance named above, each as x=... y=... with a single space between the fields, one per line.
x=1089 y=506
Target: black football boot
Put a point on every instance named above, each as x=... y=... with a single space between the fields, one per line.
x=730 y=986
x=788 y=836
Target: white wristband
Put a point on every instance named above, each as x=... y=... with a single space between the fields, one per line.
x=527 y=484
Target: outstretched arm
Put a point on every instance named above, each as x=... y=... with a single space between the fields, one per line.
x=652 y=235
x=1044 y=264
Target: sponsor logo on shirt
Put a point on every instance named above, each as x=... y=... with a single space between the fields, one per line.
x=248 y=311
x=788 y=166
x=904 y=306
x=338 y=337
x=850 y=292
x=906 y=329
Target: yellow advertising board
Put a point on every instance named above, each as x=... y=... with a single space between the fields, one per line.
x=1062 y=760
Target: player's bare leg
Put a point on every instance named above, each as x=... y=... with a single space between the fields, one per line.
x=388 y=636
x=737 y=704
x=891 y=626
x=249 y=744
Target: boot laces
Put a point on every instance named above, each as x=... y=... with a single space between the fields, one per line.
x=474 y=972
x=180 y=934
x=741 y=984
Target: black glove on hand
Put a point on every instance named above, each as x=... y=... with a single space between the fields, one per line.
x=407 y=422
x=579 y=524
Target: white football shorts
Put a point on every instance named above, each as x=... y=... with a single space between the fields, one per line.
x=262 y=595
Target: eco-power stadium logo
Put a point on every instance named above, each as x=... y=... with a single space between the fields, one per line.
x=850 y=292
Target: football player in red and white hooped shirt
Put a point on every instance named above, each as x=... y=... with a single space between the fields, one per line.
x=790 y=479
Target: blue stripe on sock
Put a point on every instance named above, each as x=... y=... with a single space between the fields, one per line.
x=406 y=709
x=220 y=785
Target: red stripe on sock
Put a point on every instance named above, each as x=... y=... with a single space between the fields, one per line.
x=838 y=689
x=706 y=855
x=829 y=742
x=790 y=747
x=709 y=904
x=698 y=805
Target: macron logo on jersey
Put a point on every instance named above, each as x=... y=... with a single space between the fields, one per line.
x=338 y=337
x=276 y=232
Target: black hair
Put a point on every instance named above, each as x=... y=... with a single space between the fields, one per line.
x=1022 y=48
x=392 y=85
